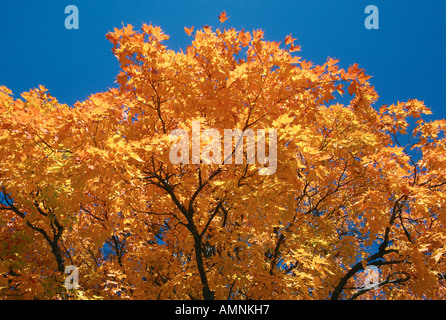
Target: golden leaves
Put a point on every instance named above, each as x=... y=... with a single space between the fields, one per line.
x=133 y=219
x=155 y=31
x=244 y=38
x=5 y=90
x=290 y=40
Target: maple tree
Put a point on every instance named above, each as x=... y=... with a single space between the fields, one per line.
x=93 y=186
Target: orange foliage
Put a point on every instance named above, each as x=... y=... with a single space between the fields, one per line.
x=92 y=185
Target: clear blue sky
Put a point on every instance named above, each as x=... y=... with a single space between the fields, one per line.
x=405 y=56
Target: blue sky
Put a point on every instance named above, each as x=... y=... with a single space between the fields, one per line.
x=405 y=56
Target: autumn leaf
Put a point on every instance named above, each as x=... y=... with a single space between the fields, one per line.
x=289 y=40
x=223 y=17
x=189 y=30
x=294 y=48
x=128 y=30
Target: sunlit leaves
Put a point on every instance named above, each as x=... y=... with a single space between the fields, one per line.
x=352 y=182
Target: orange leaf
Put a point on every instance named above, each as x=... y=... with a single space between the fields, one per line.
x=223 y=17
x=207 y=29
x=189 y=30
x=294 y=48
x=128 y=31
x=289 y=39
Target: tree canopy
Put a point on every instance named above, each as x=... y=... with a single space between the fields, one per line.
x=93 y=185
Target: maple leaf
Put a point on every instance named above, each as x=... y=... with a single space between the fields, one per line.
x=289 y=40
x=207 y=29
x=223 y=17
x=128 y=30
x=189 y=30
x=294 y=48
